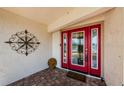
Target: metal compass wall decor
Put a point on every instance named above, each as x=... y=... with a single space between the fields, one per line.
x=23 y=42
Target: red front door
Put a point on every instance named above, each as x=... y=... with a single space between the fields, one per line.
x=81 y=49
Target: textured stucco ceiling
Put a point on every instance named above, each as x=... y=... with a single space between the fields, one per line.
x=45 y=15
x=57 y=18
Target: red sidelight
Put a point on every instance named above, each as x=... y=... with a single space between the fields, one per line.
x=95 y=50
x=81 y=49
x=64 y=49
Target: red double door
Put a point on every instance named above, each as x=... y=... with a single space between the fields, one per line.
x=81 y=50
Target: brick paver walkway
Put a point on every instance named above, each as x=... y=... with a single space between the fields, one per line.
x=56 y=77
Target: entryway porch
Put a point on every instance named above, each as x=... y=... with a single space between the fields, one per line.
x=56 y=77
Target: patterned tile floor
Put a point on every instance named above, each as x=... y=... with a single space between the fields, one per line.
x=56 y=77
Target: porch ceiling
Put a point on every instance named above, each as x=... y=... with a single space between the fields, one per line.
x=45 y=15
x=57 y=17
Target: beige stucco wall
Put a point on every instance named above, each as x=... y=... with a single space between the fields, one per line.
x=14 y=66
x=56 y=49
x=112 y=46
x=123 y=44
x=90 y=21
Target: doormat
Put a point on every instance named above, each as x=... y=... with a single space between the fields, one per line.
x=76 y=76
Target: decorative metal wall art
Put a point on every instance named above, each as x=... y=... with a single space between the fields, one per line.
x=23 y=42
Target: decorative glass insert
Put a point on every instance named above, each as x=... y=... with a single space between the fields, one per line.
x=64 y=48
x=77 y=48
x=94 y=48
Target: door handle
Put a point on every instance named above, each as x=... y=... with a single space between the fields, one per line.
x=86 y=58
x=86 y=55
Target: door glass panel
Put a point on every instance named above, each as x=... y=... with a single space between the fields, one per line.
x=64 y=48
x=94 y=49
x=77 y=48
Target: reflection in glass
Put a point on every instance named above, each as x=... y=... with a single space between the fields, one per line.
x=78 y=48
x=65 y=48
x=94 y=47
